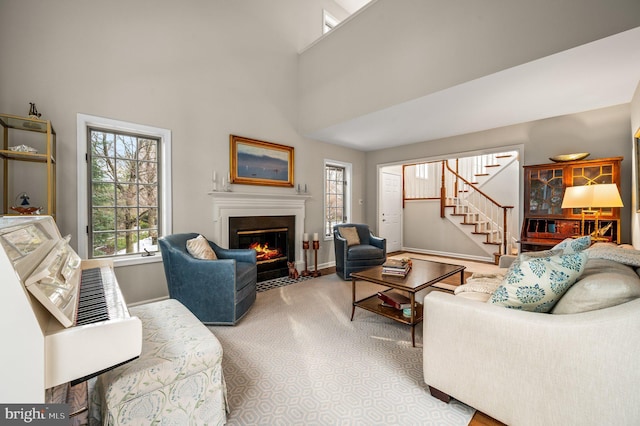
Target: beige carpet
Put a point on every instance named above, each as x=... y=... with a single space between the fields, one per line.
x=296 y=358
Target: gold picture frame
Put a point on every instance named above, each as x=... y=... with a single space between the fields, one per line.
x=255 y=162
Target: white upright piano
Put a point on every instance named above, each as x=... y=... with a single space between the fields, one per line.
x=62 y=319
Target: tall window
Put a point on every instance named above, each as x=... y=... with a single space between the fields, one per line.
x=337 y=195
x=124 y=191
x=126 y=186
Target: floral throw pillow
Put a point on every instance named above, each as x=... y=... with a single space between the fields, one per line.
x=573 y=245
x=536 y=284
x=529 y=255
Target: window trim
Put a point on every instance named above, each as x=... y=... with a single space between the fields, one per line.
x=84 y=121
x=328 y=21
x=347 y=192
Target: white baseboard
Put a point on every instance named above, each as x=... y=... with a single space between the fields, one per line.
x=310 y=265
x=326 y=265
x=144 y=302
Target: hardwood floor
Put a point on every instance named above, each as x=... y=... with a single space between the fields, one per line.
x=481 y=419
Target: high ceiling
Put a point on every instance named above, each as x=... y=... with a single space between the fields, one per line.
x=352 y=6
x=592 y=76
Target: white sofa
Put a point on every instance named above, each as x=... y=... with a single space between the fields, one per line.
x=526 y=368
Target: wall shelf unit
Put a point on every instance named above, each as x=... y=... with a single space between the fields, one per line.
x=41 y=134
x=545 y=222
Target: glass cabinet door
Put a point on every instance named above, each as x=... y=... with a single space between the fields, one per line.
x=590 y=175
x=546 y=188
x=545 y=221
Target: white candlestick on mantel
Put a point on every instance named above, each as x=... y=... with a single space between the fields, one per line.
x=305 y=237
x=315 y=236
x=214 y=180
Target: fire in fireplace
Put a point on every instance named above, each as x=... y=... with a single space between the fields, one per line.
x=272 y=237
x=264 y=252
x=269 y=244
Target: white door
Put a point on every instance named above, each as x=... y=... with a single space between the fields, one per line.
x=389 y=222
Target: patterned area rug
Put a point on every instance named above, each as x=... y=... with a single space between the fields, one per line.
x=279 y=282
x=297 y=358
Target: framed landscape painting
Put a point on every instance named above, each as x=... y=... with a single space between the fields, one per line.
x=255 y=162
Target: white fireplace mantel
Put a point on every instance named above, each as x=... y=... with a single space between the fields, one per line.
x=236 y=204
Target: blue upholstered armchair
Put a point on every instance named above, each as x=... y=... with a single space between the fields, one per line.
x=216 y=291
x=371 y=251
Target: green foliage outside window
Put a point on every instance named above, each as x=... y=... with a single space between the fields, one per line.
x=123 y=193
x=334 y=197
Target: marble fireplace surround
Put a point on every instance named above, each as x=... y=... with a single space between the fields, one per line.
x=239 y=204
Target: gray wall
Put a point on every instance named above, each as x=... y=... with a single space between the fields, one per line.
x=603 y=133
x=425 y=231
x=396 y=51
x=206 y=69
x=203 y=69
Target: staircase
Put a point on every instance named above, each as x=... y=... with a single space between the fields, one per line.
x=489 y=224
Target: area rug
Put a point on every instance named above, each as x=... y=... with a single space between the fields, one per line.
x=296 y=358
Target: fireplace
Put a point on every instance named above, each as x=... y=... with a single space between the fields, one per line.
x=227 y=205
x=273 y=238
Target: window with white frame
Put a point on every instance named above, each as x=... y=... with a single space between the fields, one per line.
x=329 y=22
x=337 y=195
x=124 y=193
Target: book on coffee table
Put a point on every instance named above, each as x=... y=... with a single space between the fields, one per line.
x=397 y=267
x=395 y=300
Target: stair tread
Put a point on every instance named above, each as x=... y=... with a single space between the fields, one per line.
x=486 y=166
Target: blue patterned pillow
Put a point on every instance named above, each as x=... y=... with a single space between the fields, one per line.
x=533 y=255
x=536 y=284
x=573 y=245
x=528 y=255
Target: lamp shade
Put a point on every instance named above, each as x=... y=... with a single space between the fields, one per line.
x=592 y=196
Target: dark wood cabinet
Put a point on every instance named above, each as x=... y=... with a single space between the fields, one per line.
x=545 y=222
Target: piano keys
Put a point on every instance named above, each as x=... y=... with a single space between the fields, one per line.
x=63 y=319
x=92 y=305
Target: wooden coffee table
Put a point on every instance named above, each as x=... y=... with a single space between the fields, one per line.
x=423 y=274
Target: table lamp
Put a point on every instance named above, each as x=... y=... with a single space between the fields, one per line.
x=589 y=197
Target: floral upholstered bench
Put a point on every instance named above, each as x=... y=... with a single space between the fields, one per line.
x=177 y=379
